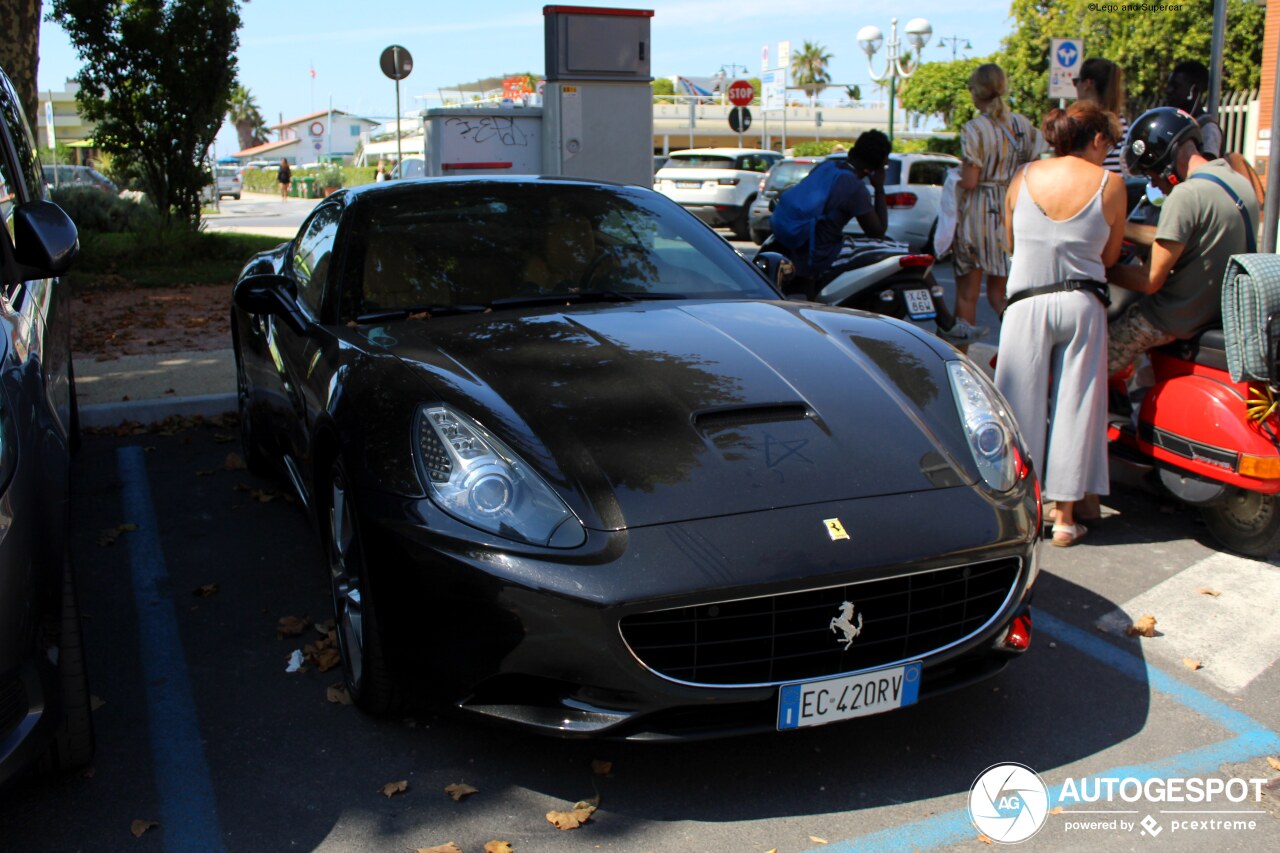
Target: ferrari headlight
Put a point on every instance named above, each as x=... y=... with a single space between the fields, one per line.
x=988 y=425
x=477 y=479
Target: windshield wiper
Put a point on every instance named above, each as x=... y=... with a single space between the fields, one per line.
x=579 y=298
x=433 y=310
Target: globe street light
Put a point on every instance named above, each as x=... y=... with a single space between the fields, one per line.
x=918 y=33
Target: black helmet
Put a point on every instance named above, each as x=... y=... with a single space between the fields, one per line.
x=1154 y=139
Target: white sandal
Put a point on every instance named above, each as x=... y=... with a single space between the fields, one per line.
x=1073 y=533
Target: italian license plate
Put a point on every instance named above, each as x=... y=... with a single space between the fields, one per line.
x=689 y=185
x=919 y=304
x=815 y=703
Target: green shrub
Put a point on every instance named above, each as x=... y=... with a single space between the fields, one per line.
x=94 y=211
x=931 y=144
x=261 y=181
x=819 y=148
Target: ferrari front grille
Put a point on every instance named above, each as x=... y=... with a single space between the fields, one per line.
x=821 y=632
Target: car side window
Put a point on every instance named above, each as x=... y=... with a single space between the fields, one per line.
x=27 y=180
x=932 y=172
x=312 y=255
x=8 y=195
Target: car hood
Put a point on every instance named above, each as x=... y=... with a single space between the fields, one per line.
x=649 y=413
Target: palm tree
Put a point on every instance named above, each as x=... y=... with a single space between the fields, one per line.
x=242 y=111
x=853 y=93
x=809 y=69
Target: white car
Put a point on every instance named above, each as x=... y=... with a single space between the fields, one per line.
x=913 y=191
x=716 y=184
x=229 y=181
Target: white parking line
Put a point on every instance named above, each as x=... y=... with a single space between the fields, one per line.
x=1234 y=634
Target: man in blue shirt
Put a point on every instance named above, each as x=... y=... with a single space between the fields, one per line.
x=847 y=199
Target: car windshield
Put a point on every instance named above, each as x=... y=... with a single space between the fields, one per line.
x=503 y=244
x=789 y=173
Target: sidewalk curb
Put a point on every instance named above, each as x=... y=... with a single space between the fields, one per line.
x=152 y=411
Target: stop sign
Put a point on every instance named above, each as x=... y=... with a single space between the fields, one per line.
x=741 y=93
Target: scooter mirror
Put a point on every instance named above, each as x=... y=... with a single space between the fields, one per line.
x=1154 y=196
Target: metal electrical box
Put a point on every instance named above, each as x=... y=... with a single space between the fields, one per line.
x=483 y=141
x=598 y=103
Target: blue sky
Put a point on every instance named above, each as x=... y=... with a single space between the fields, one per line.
x=456 y=43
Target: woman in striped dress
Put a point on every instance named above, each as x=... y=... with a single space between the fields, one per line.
x=1101 y=82
x=993 y=145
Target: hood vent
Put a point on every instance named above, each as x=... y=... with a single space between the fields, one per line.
x=714 y=420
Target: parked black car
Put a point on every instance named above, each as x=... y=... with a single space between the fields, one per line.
x=577 y=465
x=44 y=695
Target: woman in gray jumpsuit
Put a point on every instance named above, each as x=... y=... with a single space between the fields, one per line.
x=1065 y=222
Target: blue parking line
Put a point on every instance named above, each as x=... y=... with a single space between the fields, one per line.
x=188 y=808
x=1249 y=740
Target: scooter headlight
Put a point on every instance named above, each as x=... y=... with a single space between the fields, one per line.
x=988 y=425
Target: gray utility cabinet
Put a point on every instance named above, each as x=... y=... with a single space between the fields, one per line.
x=598 y=103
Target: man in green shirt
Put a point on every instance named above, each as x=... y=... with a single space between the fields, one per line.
x=1201 y=227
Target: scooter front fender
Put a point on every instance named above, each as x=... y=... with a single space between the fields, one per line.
x=1198 y=423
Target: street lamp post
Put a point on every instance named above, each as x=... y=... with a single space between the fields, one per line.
x=918 y=33
x=955 y=44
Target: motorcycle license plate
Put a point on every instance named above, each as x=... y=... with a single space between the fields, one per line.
x=919 y=304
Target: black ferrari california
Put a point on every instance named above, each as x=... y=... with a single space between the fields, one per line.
x=578 y=465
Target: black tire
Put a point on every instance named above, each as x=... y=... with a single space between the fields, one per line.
x=369 y=679
x=1245 y=522
x=254 y=457
x=73 y=740
x=741 y=226
x=236 y=196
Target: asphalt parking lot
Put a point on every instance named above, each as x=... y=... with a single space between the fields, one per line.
x=202 y=730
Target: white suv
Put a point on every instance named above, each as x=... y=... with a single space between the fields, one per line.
x=716 y=184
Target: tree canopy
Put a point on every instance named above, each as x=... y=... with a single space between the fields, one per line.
x=942 y=88
x=156 y=79
x=244 y=115
x=1146 y=46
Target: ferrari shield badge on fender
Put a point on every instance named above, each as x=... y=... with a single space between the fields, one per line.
x=835 y=529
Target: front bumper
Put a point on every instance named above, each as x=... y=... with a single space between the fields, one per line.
x=535 y=638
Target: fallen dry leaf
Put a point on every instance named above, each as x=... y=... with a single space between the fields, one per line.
x=1144 y=627
x=1056 y=810
x=816 y=840
x=328 y=659
x=1192 y=664
x=1274 y=762
x=984 y=839
x=291 y=626
x=390 y=789
x=450 y=847
x=498 y=847
x=601 y=768
x=574 y=818
x=1204 y=590
x=337 y=694
x=140 y=826
x=234 y=462
x=205 y=591
x=458 y=790
x=326 y=626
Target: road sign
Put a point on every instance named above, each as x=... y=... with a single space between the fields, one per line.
x=764 y=59
x=741 y=93
x=784 y=56
x=396 y=62
x=740 y=119
x=1065 y=58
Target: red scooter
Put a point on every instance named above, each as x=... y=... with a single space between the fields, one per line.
x=1213 y=443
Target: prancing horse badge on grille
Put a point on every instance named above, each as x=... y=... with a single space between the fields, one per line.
x=844 y=624
x=835 y=529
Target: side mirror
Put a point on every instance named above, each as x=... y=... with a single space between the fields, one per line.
x=269 y=294
x=776 y=267
x=45 y=239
